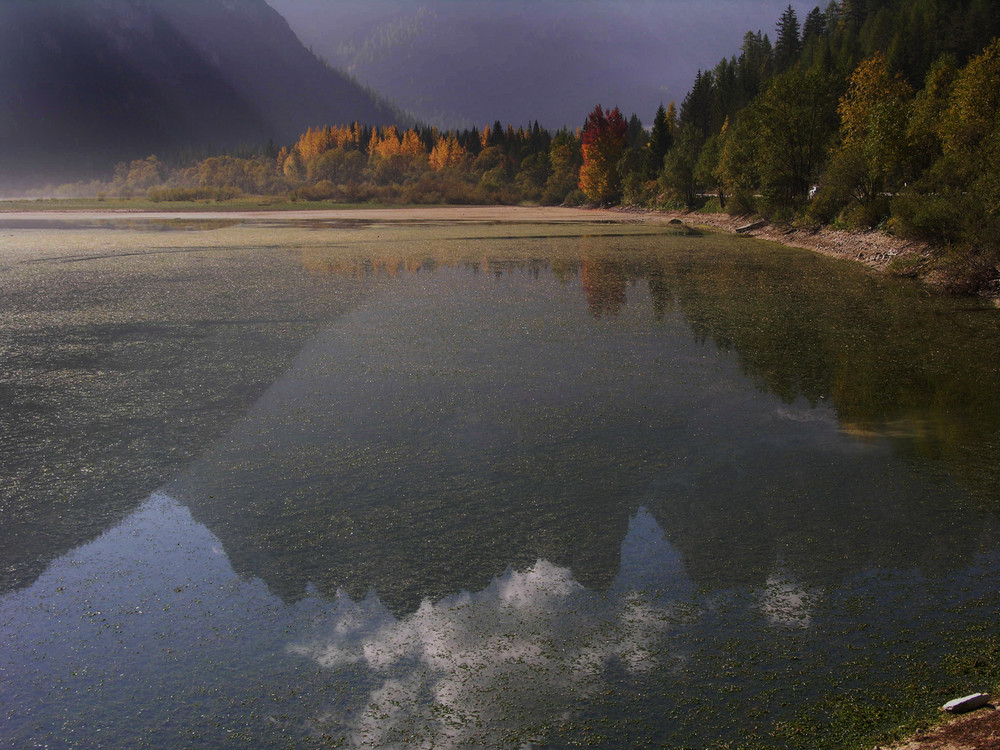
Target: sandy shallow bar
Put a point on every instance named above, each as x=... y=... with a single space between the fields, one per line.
x=430 y=213
x=874 y=249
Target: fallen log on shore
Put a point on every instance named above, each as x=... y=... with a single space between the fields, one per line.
x=751 y=227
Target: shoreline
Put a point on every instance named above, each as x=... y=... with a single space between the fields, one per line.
x=874 y=248
x=885 y=254
x=882 y=253
x=976 y=730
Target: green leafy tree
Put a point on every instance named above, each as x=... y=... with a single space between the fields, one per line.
x=678 y=178
x=875 y=152
x=532 y=176
x=929 y=110
x=632 y=165
x=565 y=160
x=780 y=141
x=706 y=171
x=738 y=167
x=337 y=165
x=957 y=201
x=970 y=123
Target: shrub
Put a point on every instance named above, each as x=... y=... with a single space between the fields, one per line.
x=193 y=194
x=933 y=218
x=869 y=214
x=967 y=271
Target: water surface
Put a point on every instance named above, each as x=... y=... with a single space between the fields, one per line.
x=447 y=485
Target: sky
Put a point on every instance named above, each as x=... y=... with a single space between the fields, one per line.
x=458 y=63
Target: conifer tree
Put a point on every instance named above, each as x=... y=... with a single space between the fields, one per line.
x=496 y=137
x=698 y=107
x=661 y=139
x=787 y=45
x=815 y=24
x=635 y=134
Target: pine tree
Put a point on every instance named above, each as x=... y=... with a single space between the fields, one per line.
x=788 y=45
x=661 y=139
x=752 y=65
x=698 y=107
x=496 y=136
x=635 y=136
x=815 y=24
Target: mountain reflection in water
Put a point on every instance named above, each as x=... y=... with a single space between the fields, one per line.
x=465 y=423
x=152 y=611
x=147 y=635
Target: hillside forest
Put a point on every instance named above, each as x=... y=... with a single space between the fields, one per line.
x=865 y=113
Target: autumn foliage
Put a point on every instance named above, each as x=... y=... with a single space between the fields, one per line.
x=602 y=143
x=447 y=152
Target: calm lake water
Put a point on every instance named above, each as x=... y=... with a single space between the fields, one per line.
x=366 y=484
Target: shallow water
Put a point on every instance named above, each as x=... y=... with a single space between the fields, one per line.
x=508 y=485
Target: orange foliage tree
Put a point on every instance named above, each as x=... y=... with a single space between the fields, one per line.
x=603 y=143
x=388 y=142
x=411 y=145
x=447 y=152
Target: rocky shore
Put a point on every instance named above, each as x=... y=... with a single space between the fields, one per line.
x=875 y=249
x=878 y=250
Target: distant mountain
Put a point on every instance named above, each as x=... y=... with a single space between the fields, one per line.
x=86 y=83
x=458 y=64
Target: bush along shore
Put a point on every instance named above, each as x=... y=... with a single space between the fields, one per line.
x=878 y=249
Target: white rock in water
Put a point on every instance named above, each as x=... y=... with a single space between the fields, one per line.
x=968 y=703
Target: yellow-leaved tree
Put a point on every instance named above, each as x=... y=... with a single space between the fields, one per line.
x=447 y=152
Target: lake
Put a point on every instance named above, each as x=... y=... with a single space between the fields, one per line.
x=390 y=482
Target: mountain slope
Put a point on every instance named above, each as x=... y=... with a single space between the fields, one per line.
x=458 y=64
x=85 y=83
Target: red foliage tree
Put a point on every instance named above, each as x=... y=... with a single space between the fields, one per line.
x=603 y=143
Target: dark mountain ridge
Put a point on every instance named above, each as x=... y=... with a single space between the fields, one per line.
x=87 y=83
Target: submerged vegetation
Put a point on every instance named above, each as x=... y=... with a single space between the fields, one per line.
x=515 y=391
x=878 y=114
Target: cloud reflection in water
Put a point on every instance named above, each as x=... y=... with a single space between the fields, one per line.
x=511 y=659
